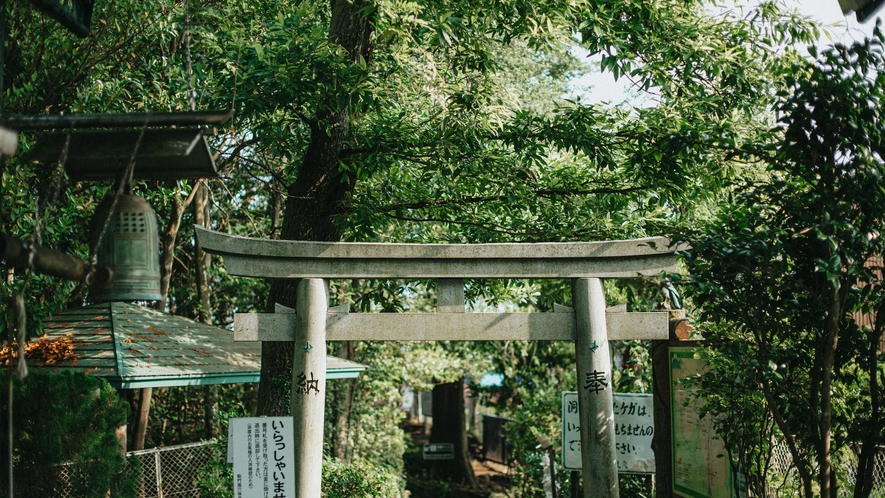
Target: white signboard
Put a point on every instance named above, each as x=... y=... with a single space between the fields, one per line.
x=263 y=457
x=634 y=428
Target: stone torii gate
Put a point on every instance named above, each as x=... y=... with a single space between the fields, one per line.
x=313 y=323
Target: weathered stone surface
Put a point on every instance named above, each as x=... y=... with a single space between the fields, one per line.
x=264 y=258
x=558 y=326
x=309 y=385
x=598 y=452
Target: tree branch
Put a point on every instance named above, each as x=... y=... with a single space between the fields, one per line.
x=547 y=193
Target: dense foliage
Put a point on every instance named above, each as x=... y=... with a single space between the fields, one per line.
x=68 y=419
x=789 y=277
x=423 y=121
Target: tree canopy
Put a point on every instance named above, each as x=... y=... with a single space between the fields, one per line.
x=789 y=276
x=421 y=121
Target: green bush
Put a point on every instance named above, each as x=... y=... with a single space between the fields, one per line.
x=357 y=479
x=66 y=422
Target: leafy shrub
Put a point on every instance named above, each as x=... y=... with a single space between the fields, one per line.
x=359 y=479
x=67 y=419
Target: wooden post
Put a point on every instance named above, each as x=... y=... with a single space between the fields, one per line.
x=662 y=441
x=599 y=459
x=141 y=420
x=309 y=386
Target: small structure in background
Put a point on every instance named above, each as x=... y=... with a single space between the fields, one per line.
x=494 y=439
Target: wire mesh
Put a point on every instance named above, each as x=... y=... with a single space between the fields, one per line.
x=878 y=473
x=784 y=479
x=166 y=472
x=172 y=471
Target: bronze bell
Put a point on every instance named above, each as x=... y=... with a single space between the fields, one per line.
x=129 y=248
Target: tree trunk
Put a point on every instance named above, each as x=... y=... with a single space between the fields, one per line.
x=167 y=257
x=275 y=207
x=166 y=260
x=204 y=310
x=202 y=259
x=141 y=417
x=867 y=460
x=449 y=427
x=828 y=358
x=314 y=199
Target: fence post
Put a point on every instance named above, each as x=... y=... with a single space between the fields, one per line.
x=159 y=471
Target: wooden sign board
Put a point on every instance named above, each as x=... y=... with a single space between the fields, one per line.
x=439 y=451
x=700 y=468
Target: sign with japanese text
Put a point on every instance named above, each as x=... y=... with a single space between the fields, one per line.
x=699 y=468
x=634 y=428
x=439 y=451
x=263 y=457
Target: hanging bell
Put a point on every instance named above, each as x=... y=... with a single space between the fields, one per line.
x=129 y=248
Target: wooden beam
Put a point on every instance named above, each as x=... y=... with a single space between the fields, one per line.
x=118 y=120
x=252 y=257
x=450 y=326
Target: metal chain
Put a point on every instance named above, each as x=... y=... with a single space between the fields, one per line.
x=124 y=185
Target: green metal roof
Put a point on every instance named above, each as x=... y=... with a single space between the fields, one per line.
x=134 y=347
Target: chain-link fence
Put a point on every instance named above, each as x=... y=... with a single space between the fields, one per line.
x=166 y=472
x=171 y=471
x=785 y=477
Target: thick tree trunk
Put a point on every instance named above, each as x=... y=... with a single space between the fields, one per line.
x=314 y=200
x=141 y=417
x=449 y=427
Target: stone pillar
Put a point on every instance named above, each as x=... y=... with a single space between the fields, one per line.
x=309 y=386
x=599 y=459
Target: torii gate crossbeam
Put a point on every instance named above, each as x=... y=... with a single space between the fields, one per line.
x=313 y=323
